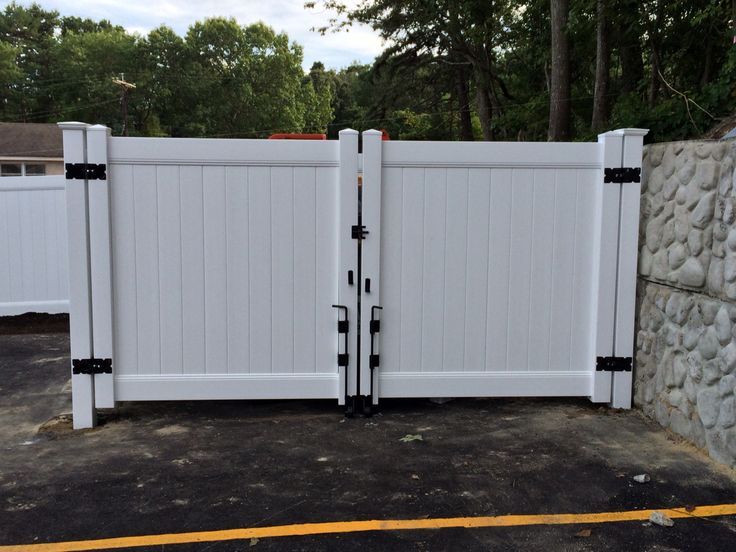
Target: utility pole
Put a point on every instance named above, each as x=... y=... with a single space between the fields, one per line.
x=125 y=88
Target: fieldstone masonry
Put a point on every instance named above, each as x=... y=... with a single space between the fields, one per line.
x=685 y=373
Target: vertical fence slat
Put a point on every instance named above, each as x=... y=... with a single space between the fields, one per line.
x=124 y=278
x=259 y=262
x=100 y=264
x=304 y=282
x=170 y=267
x=238 y=327
x=192 y=266
x=433 y=268
x=215 y=269
x=498 y=269
x=80 y=308
x=455 y=268
x=412 y=260
x=476 y=288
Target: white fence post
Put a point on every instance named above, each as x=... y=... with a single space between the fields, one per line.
x=80 y=308
x=605 y=268
x=628 y=248
x=370 y=262
x=100 y=263
x=348 y=255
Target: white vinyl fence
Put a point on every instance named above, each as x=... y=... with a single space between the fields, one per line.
x=33 y=245
x=239 y=269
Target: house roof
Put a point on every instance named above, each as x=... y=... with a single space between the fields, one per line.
x=30 y=140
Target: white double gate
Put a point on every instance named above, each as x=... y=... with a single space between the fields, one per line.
x=226 y=269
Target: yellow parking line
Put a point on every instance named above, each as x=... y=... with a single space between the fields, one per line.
x=368 y=525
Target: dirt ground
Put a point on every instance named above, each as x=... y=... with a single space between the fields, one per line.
x=153 y=468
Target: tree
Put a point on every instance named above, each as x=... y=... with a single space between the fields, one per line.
x=318 y=96
x=86 y=62
x=30 y=31
x=164 y=95
x=602 y=63
x=452 y=32
x=559 y=105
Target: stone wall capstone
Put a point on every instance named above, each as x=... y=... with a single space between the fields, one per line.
x=685 y=374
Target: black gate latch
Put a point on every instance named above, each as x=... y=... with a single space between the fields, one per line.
x=621 y=175
x=358 y=232
x=86 y=171
x=613 y=364
x=92 y=366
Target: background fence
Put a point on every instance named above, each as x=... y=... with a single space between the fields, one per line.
x=33 y=246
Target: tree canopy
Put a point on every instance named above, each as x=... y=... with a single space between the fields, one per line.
x=451 y=70
x=220 y=79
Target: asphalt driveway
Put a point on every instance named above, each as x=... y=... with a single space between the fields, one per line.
x=171 y=468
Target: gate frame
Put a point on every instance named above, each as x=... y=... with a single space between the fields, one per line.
x=89 y=234
x=614 y=277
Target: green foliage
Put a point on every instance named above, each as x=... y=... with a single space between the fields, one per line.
x=318 y=97
x=449 y=65
x=660 y=50
x=221 y=79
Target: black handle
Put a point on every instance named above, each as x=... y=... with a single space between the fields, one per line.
x=367 y=285
x=350 y=279
x=343 y=359
x=374 y=357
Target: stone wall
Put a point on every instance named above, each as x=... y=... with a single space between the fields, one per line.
x=685 y=373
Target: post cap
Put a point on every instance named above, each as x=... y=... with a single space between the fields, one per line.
x=626 y=132
x=72 y=125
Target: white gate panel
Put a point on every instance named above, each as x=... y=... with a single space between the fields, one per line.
x=225 y=263
x=34 y=272
x=487 y=262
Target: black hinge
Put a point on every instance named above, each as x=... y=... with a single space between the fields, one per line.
x=358 y=232
x=343 y=359
x=92 y=366
x=613 y=364
x=86 y=171
x=373 y=361
x=621 y=175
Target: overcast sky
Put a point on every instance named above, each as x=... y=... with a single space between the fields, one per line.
x=335 y=50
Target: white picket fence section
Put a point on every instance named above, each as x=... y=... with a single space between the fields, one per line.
x=219 y=269
x=34 y=271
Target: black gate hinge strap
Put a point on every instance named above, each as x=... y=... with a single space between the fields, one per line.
x=621 y=175
x=613 y=364
x=86 y=171
x=92 y=366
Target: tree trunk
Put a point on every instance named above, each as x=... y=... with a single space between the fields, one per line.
x=654 y=78
x=629 y=32
x=654 y=59
x=602 y=65
x=559 y=104
x=707 y=62
x=463 y=98
x=484 y=112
